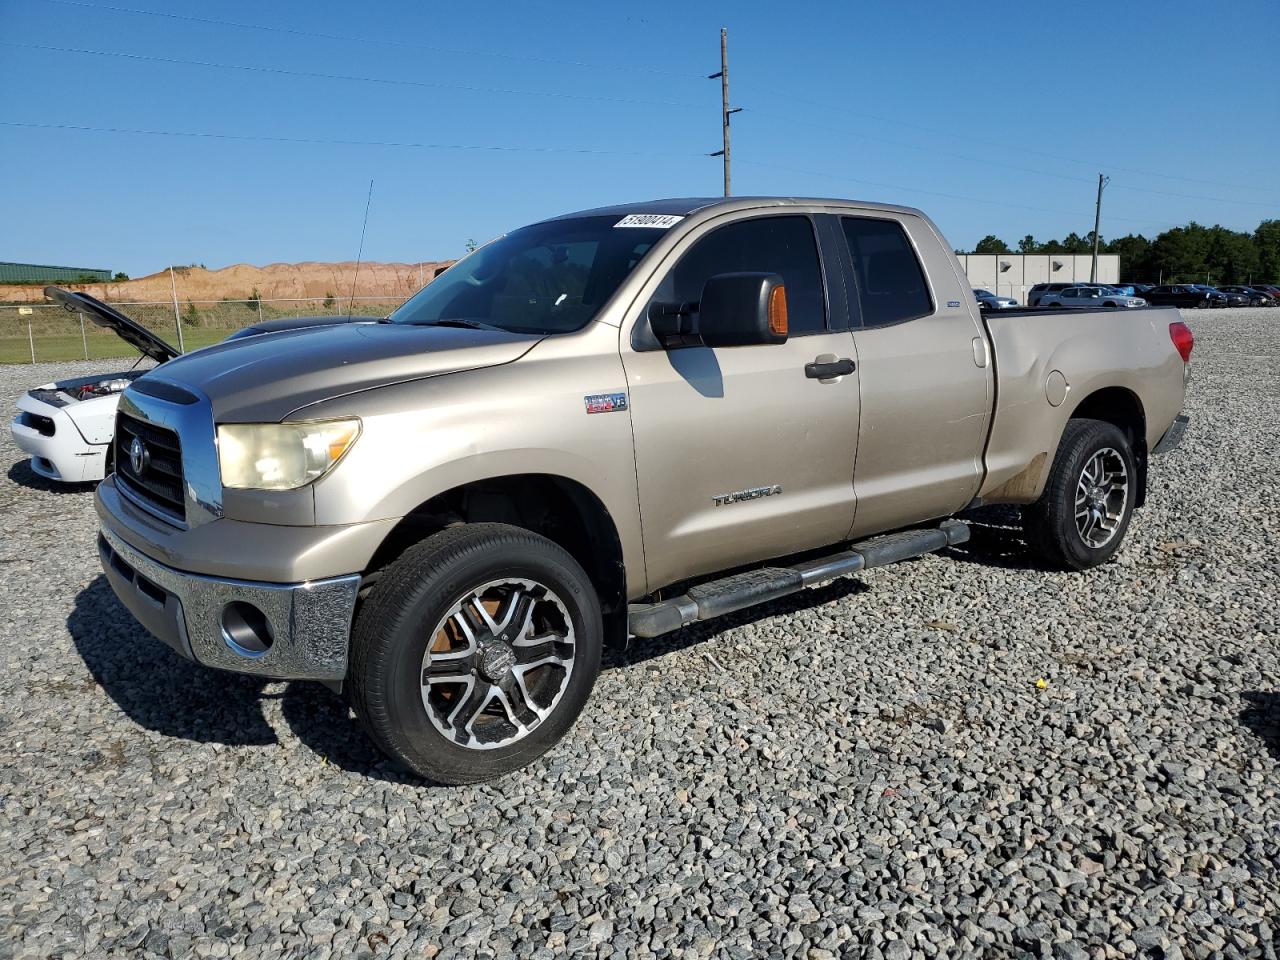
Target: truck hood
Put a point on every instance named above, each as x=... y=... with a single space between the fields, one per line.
x=130 y=331
x=266 y=378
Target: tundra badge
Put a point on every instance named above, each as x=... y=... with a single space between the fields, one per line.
x=755 y=493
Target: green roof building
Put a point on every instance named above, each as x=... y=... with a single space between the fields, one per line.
x=42 y=273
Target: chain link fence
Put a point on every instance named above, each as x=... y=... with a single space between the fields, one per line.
x=46 y=332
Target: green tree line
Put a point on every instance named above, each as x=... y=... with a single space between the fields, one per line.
x=1185 y=253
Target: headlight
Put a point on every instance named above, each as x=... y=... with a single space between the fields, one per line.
x=281 y=456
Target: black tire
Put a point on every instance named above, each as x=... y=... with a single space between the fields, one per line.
x=1109 y=303
x=397 y=622
x=1052 y=530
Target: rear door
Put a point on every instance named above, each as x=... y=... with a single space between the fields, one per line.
x=740 y=453
x=924 y=374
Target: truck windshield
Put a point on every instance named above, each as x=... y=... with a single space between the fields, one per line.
x=548 y=278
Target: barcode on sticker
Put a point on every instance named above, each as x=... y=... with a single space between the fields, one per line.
x=662 y=220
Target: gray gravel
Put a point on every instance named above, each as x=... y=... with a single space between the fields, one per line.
x=868 y=770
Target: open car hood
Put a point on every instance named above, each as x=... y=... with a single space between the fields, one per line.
x=130 y=331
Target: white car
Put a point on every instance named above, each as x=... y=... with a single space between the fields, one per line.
x=67 y=426
x=1090 y=297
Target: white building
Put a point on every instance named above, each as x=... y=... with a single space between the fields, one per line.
x=1013 y=274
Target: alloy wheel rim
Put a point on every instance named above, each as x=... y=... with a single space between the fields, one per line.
x=1102 y=492
x=497 y=663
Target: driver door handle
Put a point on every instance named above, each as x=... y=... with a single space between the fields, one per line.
x=827 y=370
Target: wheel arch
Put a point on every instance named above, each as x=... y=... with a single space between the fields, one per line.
x=561 y=509
x=1122 y=408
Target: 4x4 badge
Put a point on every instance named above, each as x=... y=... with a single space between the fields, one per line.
x=605 y=402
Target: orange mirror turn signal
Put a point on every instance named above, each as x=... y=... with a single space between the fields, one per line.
x=778 y=310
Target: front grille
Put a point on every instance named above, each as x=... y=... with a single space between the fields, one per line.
x=159 y=483
x=43 y=425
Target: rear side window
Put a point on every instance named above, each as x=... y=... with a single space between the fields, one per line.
x=891 y=284
x=782 y=245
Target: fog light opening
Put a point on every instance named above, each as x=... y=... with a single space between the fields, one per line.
x=245 y=629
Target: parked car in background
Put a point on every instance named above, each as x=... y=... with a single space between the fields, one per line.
x=1271 y=288
x=1124 y=289
x=1255 y=297
x=1042 y=290
x=1141 y=289
x=1182 y=295
x=990 y=301
x=1220 y=298
x=67 y=426
x=1092 y=297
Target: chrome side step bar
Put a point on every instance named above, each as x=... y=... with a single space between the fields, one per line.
x=742 y=590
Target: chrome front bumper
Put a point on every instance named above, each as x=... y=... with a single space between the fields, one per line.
x=309 y=623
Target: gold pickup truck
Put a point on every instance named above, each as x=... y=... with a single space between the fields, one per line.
x=611 y=424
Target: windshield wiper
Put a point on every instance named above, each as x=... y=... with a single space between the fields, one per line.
x=461 y=322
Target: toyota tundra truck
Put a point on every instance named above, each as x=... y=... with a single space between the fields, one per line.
x=611 y=424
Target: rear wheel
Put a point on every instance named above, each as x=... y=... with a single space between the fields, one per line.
x=475 y=652
x=1081 y=518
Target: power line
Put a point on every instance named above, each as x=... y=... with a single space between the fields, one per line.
x=506 y=148
x=384 y=41
x=326 y=141
x=933 y=193
x=933 y=151
x=313 y=75
x=989 y=162
x=1003 y=146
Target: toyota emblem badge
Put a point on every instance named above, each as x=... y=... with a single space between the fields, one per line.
x=138 y=456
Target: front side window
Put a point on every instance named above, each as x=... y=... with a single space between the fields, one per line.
x=891 y=284
x=548 y=278
x=782 y=245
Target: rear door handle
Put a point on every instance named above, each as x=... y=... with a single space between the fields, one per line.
x=829 y=369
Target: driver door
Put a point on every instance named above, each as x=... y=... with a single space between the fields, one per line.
x=740 y=454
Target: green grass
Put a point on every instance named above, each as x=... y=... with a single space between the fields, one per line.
x=57 y=334
x=53 y=348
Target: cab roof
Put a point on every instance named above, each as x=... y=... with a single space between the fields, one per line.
x=686 y=206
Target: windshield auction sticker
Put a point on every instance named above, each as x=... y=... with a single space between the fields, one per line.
x=663 y=220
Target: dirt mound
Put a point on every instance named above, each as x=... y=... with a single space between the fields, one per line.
x=239 y=281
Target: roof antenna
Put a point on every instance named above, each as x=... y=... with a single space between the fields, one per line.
x=360 y=254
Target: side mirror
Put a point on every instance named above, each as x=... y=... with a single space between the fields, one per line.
x=743 y=309
x=672 y=322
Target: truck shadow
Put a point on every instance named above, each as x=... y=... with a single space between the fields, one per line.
x=1262 y=716
x=640 y=650
x=159 y=690
x=22 y=474
x=995 y=539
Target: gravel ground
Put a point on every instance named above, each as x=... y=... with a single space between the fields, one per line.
x=871 y=769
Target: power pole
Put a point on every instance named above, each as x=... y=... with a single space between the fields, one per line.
x=1097 y=225
x=177 y=317
x=725 y=109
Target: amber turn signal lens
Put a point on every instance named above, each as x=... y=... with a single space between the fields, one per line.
x=778 y=311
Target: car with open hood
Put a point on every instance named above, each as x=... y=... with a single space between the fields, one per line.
x=67 y=426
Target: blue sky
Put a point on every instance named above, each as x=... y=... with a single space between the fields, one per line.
x=994 y=118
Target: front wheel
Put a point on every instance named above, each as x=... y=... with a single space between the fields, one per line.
x=1081 y=518
x=475 y=652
